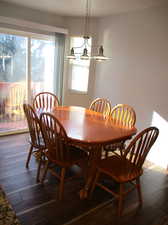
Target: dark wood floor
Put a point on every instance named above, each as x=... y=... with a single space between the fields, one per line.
x=34 y=203
x=38 y=205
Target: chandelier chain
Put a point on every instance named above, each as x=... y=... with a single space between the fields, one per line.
x=87 y=19
x=86 y=45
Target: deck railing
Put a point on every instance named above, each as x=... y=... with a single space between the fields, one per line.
x=12 y=97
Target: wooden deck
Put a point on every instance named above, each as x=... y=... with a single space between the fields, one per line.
x=12 y=126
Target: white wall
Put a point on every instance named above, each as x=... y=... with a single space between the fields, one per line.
x=18 y=12
x=137 y=74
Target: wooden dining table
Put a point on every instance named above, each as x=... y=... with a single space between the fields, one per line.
x=91 y=131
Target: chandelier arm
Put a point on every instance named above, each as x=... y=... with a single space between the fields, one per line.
x=80 y=46
x=85 y=44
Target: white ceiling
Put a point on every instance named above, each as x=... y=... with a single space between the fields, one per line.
x=78 y=7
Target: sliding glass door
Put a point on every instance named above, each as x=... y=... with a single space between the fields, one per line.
x=42 y=66
x=26 y=68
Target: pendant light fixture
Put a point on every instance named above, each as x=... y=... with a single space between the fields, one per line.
x=84 y=54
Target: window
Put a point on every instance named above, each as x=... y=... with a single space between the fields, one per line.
x=79 y=69
x=26 y=68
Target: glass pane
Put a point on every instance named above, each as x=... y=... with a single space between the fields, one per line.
x=80 y=68
x=42 y=66
x=13 y=55
x=80 y=76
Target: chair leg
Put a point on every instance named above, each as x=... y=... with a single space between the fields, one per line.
x=121 y=151
x=29 y=156
x=61 y=186
x=94 y=182
x=39 y=168
x=120 y=202
x=122 y=147
x=138 y=185
x=84 y=166
x=106 y=154
x=45 y=171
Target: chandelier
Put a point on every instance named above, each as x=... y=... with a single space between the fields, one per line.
x=84 y=54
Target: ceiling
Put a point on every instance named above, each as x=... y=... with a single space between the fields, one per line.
x=78 y=7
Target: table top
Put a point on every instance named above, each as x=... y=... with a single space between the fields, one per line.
x=89 y=127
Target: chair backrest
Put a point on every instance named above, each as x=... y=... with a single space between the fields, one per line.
x=101 y=105
x=33 y=125
x=45 y=100
x=55 y=138
x=123 y=115
x=139 y=147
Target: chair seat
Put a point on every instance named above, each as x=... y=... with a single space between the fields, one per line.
x=75 y=156
x=121 y=170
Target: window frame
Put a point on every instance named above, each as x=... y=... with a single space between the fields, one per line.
x=29 y=36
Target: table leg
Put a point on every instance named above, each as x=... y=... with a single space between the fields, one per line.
x=95 y=155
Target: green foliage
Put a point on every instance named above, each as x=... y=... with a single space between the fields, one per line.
x=12 y=52
x=13 y=58
x=7 y=50
x=7 y=45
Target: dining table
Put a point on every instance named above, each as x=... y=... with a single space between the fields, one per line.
x=91 y=131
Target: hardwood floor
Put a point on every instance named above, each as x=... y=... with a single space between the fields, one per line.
x=154 y=211
x=38 y=205
x=34 y=203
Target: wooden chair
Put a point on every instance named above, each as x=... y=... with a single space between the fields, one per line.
x=128 y=167
x=36 y=140
x=59 y=152
x=101 y=105
x=122 y=115
x=45 y=100
x=15 y=100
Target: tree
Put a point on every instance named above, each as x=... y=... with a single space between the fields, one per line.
x=7 y=51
